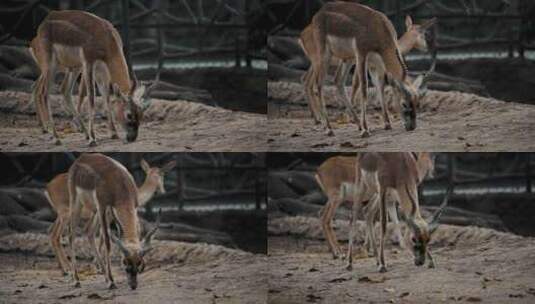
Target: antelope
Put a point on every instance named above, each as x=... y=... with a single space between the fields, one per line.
x=336 y=178
x=74 y=40
x=66 y=87
x=414 y=37
x=351 y=31
x=398 y=173
x=57 y=195
x=104 y=183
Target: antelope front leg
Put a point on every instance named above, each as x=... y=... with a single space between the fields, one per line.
x=382 y=214
x=362 y=78
x=431 y=263
x=326 y=223
x=107 y=248
x=76 y=208
x=340 y=80
x=89 y=84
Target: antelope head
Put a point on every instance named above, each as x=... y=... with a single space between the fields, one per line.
x=412 y=93
x=156 y=175
x=416 y=32
x=421 y=231
x=133 y=255
x=129 y=108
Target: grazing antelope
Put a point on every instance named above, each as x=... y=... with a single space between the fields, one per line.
x=57 y=195
x=414 y=37
x=336 y=171
x=102 y=182
x=351 y=31
x=73 y=40
x=398 y=173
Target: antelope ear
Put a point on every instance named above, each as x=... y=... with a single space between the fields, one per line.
x=169 y=166
x=427 y=24
x=138 y=93
x=417 y=83
x=145 y=166
x=408 y=21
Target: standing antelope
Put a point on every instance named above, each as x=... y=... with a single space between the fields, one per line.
x=332 y=176
x=57 y=194
x=414 y=37
x=80 y=40
x=102 y=182
x=396 y=172
x=351 y=31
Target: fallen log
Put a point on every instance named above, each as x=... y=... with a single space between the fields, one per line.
x=8 y=82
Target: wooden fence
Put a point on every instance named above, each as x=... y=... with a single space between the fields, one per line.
x=476 y=25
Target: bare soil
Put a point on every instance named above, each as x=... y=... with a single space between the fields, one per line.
x=447 y=121
x=175 y=273
x=168 y=126
x=473 y=265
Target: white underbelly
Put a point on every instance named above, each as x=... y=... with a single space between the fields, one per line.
x=341 y=47
x=68 y=56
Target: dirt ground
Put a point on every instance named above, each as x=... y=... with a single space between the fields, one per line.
x=168 y=126
x=447 y=121
x=175 y=273
x=473 y=265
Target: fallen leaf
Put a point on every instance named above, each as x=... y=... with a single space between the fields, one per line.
x=17 y=291
x=313 y=298
x=42 y=286
x=367 y=279
x=70 y=296
x=313 y=269
x=320 y=145
x=288 y=275
x=404 y=294
x=461 y=138
x=339 y=280
x=516 y=295
x=473 y=299
x=390 y=290
x=273 y=291
x=295 y=134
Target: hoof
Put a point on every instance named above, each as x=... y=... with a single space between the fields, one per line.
x=388 y=127
x=431 y=266
x=114 y=136
x=57 y=142
x=77 y=285
x=112 y=286
x=93 y=143
x=349 y=267
x=44 y=131
x=330 y=132
x=382 y=269
x=365 y=134
x=64 y=273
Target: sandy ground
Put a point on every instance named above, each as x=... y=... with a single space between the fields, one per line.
x=473 y=265
x=175 y=273
x=168 y=126
x=447 y=121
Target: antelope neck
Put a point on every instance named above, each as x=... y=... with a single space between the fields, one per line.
x=146 y=191
x=129 y=225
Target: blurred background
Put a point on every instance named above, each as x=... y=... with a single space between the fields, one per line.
x=216 y=198
x=484 y=47
x=208 y=51
x=491 y=190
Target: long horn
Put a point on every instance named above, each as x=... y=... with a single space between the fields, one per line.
x=119 y=244
x=409 y=221
x=146 y=247
x=433 y=46
x=433 y=221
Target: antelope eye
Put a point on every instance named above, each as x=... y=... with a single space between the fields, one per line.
x=413 y=239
